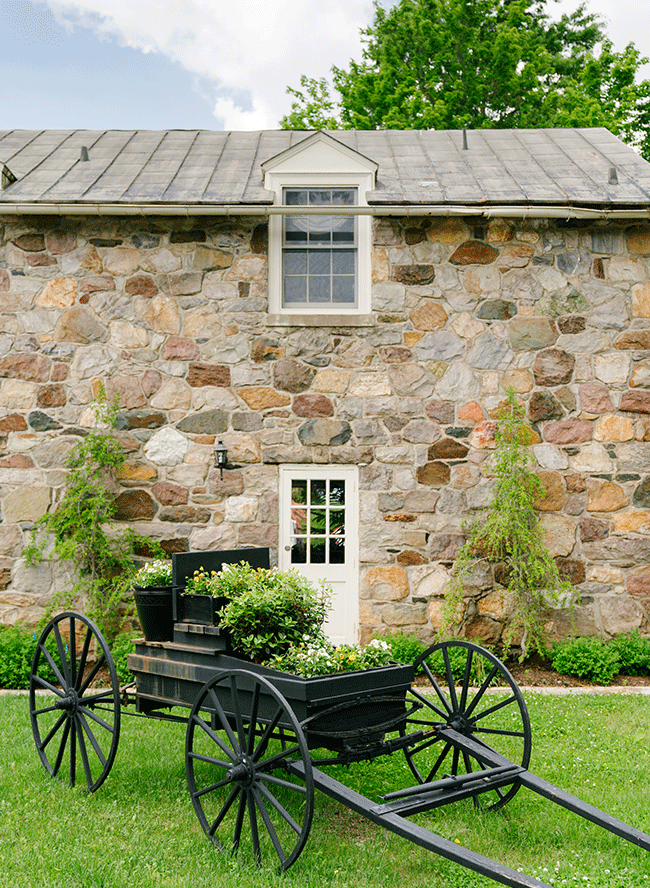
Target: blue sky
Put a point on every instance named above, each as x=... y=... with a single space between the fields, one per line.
x=210 y=64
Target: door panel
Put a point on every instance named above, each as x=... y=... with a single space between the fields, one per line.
x=319 y=537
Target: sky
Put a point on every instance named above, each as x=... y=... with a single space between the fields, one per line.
x=193 y=64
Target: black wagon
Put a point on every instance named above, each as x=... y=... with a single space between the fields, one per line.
x=259 y=741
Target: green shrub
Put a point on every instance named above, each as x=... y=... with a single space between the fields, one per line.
x=270 y=610
x=405 y=647
x=634 y=653
x=17 y=646
x=591 y=658
x=457 y=662
x=120 y=649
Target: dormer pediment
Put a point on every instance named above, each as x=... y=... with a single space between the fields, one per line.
x=317 y=154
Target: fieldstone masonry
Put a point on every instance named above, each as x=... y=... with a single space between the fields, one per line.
x=173 y=317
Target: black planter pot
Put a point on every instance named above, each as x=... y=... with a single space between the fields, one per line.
x=155 y=612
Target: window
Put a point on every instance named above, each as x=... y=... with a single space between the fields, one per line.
x=320 y=263
x=319 y=252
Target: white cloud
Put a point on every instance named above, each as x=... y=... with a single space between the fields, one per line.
x=251 y=50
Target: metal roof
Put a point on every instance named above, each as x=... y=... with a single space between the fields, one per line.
x=559 y=167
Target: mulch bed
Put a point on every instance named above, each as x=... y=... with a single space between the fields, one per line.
x=537 y=672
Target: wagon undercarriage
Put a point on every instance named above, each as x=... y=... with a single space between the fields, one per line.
x=258 y=741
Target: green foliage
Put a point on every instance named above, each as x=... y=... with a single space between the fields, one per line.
x=634 y=653
x=82 y=527
x=510 y=534
x=592 y=658
x=324 y=658
x=448 y=64
x=405 y=647
x=271 y=610
x=457 y=662
x=17 y=648
x=120 y=649
x=155 y=573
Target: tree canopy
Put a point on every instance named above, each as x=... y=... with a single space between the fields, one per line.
x=448 y=64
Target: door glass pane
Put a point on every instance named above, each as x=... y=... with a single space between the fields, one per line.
x=317 y=522
x=337 y=551
x=337 y=493
x=298 y=492
x=317 y=551
x=299 y=552
x=337 y=522
x=318 y=493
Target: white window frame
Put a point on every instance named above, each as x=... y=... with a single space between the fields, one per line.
x=320 y=162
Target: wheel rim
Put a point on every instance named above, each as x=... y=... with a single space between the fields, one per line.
x=241 y=739
x=77 y=732
x=483 y=702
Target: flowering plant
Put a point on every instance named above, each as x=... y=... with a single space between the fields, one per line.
x=321 y=657
x=154 y=573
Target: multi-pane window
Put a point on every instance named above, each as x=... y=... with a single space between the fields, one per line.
x=317 y=521
x=319 y=252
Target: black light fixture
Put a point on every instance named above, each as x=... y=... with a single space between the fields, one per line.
x=220 y=457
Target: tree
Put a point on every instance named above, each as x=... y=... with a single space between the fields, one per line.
x=448 y=64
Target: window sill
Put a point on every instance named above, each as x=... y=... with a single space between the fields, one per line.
x=320 y=320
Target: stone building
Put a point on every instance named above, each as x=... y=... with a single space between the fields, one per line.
x=351 y=361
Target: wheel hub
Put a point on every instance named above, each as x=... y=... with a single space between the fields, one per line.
x=69 y=702
x=242 y=772
x=459 y=722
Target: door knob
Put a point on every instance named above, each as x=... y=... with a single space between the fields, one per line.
x=287 y=548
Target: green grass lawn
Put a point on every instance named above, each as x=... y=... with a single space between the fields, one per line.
x=139 y=829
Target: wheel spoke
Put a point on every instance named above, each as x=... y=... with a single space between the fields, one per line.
x=91 y=675
x=93 y=740
x=208 y=759
x=62 y=745
x=466 y=680
x=495 y=708
x=426 y=702
x=274 y=761
x=213 y=786
x=84 y=754
x=270 y=778
x=282 y=811
x=269 y=825
x=225 y=724
x=239 y=823
x=55 y=669
x=44 y=683
x=62 y=654
x=226 y=807
x=252 y=817
x=439 y=761
x=91 y=699
x=53 y=731
x=450 y=679
x=100 y=721
x=266 y=736
x=501 y=731
x=73 y=753
x=238 y=715
x=253 y=719
x=437 y=689
x=479 y=694
x=197 y=720
x=73 y=653
x=83 y=658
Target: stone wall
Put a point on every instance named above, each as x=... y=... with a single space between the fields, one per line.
x=172 y=315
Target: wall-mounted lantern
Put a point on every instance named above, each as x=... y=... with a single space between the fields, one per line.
x=220 y=457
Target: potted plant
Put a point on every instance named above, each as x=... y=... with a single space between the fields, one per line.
x=152 y=592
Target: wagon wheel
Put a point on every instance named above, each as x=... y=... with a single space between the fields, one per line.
x=483 y=702
x=77 y=733
x=241 y=739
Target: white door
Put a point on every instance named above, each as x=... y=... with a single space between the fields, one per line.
x=319 y=537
